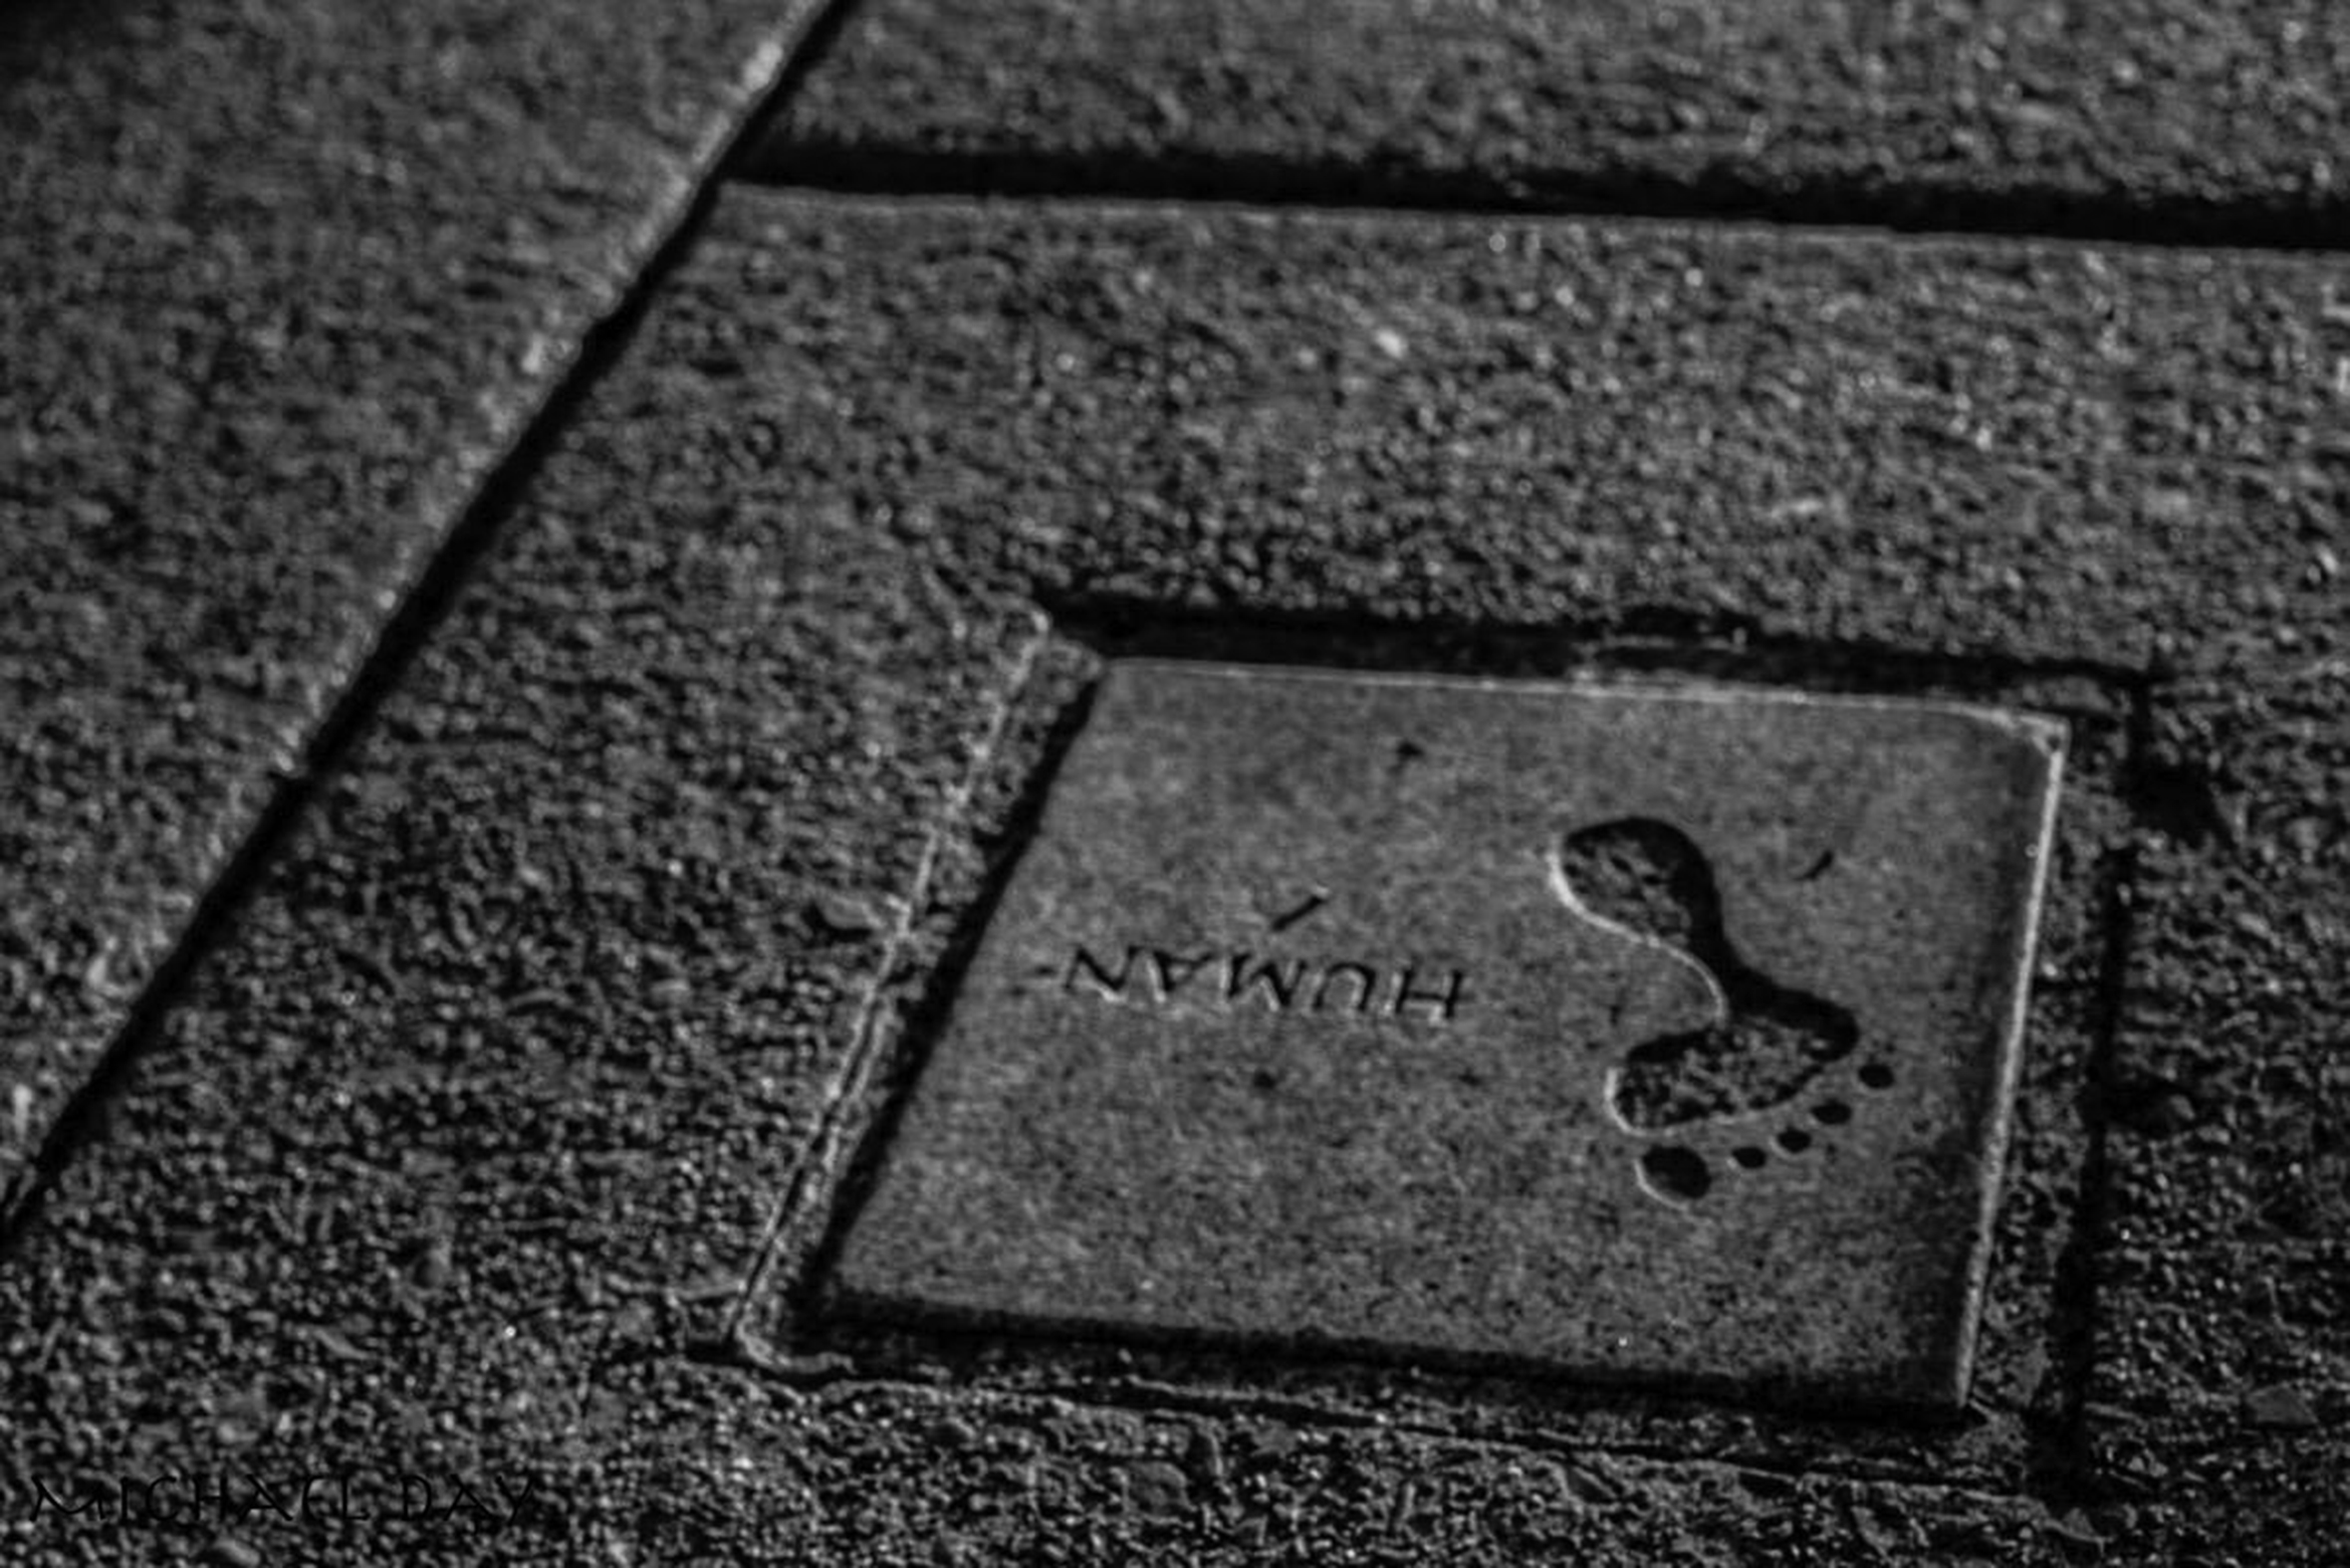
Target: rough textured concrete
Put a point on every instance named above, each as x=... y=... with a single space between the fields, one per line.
x=507 y=1061
x=501 y=1136
x=2165 y=118
x=652 y=1460
x=1648 y=1034
x=278 y=286
x=1991 y=450
x=2225 y=1366
x=468 y=1134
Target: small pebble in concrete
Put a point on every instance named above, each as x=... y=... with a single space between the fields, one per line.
x=2280 y=1408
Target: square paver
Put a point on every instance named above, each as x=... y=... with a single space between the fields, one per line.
x=1657 y=1033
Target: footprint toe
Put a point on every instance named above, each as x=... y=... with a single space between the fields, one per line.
x=1676 y=1174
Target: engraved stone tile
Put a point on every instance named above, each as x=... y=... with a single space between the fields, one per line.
x=1651 y=1033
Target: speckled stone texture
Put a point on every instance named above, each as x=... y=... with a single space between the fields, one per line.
x=2226 y=1375
x=2163 y=118
x=1659 y=1035
x=2002 y=451
x=506 y=1064
x=467 y=1134
x=278 y=286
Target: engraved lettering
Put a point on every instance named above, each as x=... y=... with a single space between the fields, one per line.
x=1441 y=1005
x=1313 y=901
x=44 y=1497
x=1365 y=978
x=1247 y=979
x=265 y=1497
x=147 y=1509
x=1172 y=970
x=1084 y=966
x=1265 y=977
x=471 y=1499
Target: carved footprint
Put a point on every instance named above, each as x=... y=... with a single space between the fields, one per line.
x=1766 y=1044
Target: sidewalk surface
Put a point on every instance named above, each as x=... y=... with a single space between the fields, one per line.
x=533 y=643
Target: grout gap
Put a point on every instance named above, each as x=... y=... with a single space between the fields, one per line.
x=401 y=636
x=810 y=1184
x=1277 y=180
x=2062 y=1462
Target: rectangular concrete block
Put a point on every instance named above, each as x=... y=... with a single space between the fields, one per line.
x=1650 y=1033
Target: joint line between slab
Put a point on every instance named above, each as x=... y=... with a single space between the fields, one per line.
x=815 y=1167
x=1300 y=187
x=381 y=654
x=2064 y=1466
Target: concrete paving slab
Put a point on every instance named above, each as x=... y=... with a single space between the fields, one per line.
x=468 y=1134
x=657 y=1461
x=515 y=1057
x=2025 y=1358
x=505 y=1068
x=2163 y=118
x=2221 y=1394
x=885 y=1472
x=2128 y=458
x=1500 y=1021
x=279 y=285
